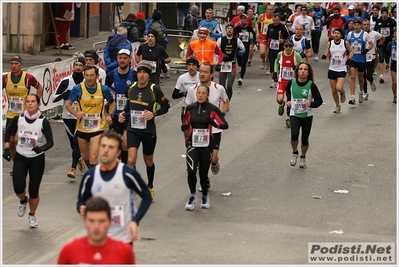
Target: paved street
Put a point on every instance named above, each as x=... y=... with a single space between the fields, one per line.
x=270 y=215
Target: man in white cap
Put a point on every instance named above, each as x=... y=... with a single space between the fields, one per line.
x=237 y=19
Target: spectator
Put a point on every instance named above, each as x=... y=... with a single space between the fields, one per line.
x=184 y=10
x=133 y=30
x=155 y=23
x=115 y=43
x=191 y=21
x=64 y=15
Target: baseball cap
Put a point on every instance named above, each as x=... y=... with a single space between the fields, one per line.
x=241 y=7
x=288 y=41
x=124 y=51
x=229 y=25
x=243 y=15
x=351 y=7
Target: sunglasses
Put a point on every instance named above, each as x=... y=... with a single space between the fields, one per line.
x=287 y=45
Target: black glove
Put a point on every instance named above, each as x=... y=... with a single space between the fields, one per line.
x=293 y=67
x=38 y=149
x=379 y=45
x=364 y=51
x=303 y=55
x=217 y=67
x=347 y=62
x=212 y=122
x=275 y=76
x=323 y=57
x=6 y=154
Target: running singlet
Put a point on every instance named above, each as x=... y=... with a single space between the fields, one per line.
x=30 y=135
x=299 y=94
x=265 y=22
x=337 y=56
x=16 y=93
x=92 y=105
x=358 y=44
x=119 y=90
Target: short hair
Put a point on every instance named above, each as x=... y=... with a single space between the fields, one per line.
x=113 y=135
x=210 y=66
x=376 y=7
x=91 y=67
x=37 y=98
x=336 y=8
x=253 y=9
x=209 y=9
x=121 y=30
x=94 y=204
x=276 y=16
x=204 y=85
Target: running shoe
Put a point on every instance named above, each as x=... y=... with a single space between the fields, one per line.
x=152 y=192
x=22 y=207
x=352 y=101
x=375 y=72
x=215 y=168
x=273 y=85
x=72 y=173
x=302 y=163
x=315 y=58
x=382 y=78
x=262 y=65
x=191 y=201
x=294 y=158
x=239 y=82
x=360 y=96
x=281 y=108
x=81 y=165
x=366 y=96
x=394 y=100
x=249 y=63
x=373 y=86
x=32 y=221
x=386 y=68
x=343 y=97
x=205 y=202
x=337 y=109
x=288 y=123
x=167 y=75
x=209 y=186
x=267 y=72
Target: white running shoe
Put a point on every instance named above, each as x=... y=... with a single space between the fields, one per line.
x=373 y=86
x=366 y=96
x=302 y=163
x=273 y=85
x=315 y=58
x=32 y=221
x=337 y=109
x=294 y=158
x=22 y=207
x=262 y=65
x=205 y=202
x=360 y=96
x=191 y=202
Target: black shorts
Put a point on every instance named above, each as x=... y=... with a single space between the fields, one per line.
x=149 y=141
x=87 y=136
x=8 y=123
x=118 y=126
x=357 y=65
x=217 y=138
x=333 y=75
x=393 y=66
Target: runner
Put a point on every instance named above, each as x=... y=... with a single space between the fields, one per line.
x=302 y=96
x=17 y=85
x=334 y=21
x=215 y=30
x=306 y=21
x=301 y=44
x=90 y=113
x=62 y=93
x=336 y=51
x=96 y=247
x=252 y=37
x=91 y=58
x=117 y=183
x=262 y=25
x=392 y=49
x=142 y=98
x=319 y=14
x=32 y=128
x=200 y=118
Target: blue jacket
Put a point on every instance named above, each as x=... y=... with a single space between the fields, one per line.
x=214 y=27
x=115 y=43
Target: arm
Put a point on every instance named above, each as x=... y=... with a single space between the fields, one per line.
x=220 y=54
x=177 y=94
x=220 y=119
x=316 y=96
x=62 y=91
x=309 y=50
x=327 y=53
x=48 y=134
x=162 y=101
x=350 y=49
x=276 y=62
x=110 y=98
x=84 y=192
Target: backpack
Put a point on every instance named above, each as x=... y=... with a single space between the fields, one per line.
x=157 y=26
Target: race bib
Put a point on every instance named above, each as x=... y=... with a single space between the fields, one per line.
x=393 y=55
x=120 y=101
x=337 y=60
x=369 y=57
x=117 y=216
x=27 y=139
x=299 y=106
x=385 y=31
x=16 y=105
x=287 y=74
x=357 y=48
x=306 y=33
x=200 y=137
x=265 y=26
x=318 y=23
x=274 y=44
x=91 y=122
x=244 y=36
x=137 y=119
x=226 y=66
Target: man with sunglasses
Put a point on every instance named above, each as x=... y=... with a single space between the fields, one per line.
x=306 y=21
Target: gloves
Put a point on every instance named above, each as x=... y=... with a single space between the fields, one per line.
x=324 y=57
x=240 y=52
x=364 y=51
x=293 y=67
x=275 y=76
x=7 y=155
x=38 y=149
x=217 y=68
x=379 y=45
x=212 y=122
x=303 y=55
x=347 y=62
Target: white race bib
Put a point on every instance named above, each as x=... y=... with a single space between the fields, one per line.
x=393 y=55
x=120 y=101
x=91 y=122
x=337 y=60
x=369 y=57
x=287 y=74
x=137 y=119
x=274 y=44
x=244 y=36
x=117 y=216
x=227 y=66
x=386 y=31
x=200 y=137
x=153 y=66
x=357 y=48
x=27 y=139
x=299 y=106
x=16 y=105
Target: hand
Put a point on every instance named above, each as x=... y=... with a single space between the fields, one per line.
x=293 y=67
x=217 y=67
x=109 y=120
x=212 y=122
x=303 y=55
x=275 y=76
x=79 y=115
x=37 y=149
x=379 y=45
x=122 y=117
x=134 y=228
x=347 y=62
x=82 y=210
x=324 y=57
x=240 y=52
x=6 y=154
x=364 y=51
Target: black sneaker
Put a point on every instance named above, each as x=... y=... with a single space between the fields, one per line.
x=239 y=82
x=191 y=201
x=281 y=108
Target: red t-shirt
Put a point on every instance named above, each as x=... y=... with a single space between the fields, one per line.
x=80 y=251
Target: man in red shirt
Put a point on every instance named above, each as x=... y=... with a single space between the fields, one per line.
x=97 y=247
x=237 y=19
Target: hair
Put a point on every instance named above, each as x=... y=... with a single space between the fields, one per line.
x=91 y=67
x=376 y=7
x=310 y=70
x=121 y=30
x=37 y=98
x=93 y=54
x=336 y=8
x=113 y=135
x=130 y=17
x=209 y=9
x=210 y=66
x=203 y=85
x=303 y=27
x=141 y=24
x=303 y=6
x=276 y=16
x=251 y=8
x=96 y=204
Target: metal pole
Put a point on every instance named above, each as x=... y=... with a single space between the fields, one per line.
x=18 y=26
x=8 y=28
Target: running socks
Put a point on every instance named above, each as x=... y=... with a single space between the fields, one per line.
x=24 y=201
x=150 y=175
x=87 y=162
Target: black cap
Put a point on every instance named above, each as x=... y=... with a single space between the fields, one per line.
x=157 y=15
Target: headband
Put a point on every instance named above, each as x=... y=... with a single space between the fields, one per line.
x=18 y=59
x=144 y=68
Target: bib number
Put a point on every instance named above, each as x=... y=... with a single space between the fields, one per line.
x=265 y=26
x=91 y=122
x=288 y=73
x=386 y=32
x=299 y=106
x=226 y=66
x=137 y=119
x=274 y=44
x=393 y=55
x=17 y=105
x=27 y=139
x=337 y=60
x=200 y=137
x=244 y=36
x=120 y=101
x=153 y=66
x=369 y=57
x=117 y=216
x=357 y=47
x=306 y=33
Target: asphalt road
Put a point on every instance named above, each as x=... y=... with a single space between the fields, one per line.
x=270 y=215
